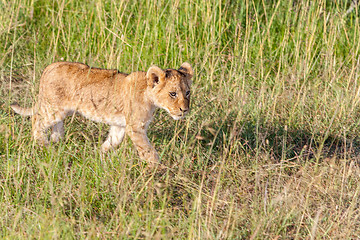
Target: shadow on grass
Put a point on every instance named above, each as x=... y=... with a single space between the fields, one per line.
x=257 y=137
x=285 y=143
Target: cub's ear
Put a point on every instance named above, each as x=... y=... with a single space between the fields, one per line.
x=186 y=69
x=155 y=75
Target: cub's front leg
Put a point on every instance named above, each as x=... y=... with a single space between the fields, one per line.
x=147 y=152
x=115 y=137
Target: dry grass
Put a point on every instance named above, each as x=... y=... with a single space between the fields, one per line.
x=269 y=151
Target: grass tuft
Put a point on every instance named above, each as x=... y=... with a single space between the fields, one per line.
x=270 y=149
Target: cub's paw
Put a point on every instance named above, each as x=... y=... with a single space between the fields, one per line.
x=106 y=146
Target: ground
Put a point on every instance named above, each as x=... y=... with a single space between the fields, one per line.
x=270 y=149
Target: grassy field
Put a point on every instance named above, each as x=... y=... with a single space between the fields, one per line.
x=270 y=149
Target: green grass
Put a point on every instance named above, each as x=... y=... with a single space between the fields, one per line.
x=270 y=149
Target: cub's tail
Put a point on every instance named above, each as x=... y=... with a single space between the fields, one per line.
x=21 y=110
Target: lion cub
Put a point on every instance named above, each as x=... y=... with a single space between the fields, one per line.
x=124 y=101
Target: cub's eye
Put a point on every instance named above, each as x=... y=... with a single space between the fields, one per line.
x=187 y=93
x=172 y=94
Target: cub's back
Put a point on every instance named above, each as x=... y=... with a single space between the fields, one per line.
x=67 y=80
x=77 y=72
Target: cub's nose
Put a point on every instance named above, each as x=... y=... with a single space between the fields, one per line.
x=184 y=110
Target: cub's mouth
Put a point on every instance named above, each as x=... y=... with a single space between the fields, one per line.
x=177 y=117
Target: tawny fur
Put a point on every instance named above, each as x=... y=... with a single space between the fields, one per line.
x=124 y=101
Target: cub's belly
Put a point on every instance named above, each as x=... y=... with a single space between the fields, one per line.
x=117 y=120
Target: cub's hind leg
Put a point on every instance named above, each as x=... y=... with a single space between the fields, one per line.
x=40 y=125
x=57 y=131
x=45 y=118
x=116 y=135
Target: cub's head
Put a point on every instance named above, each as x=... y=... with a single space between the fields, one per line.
x=170 y=89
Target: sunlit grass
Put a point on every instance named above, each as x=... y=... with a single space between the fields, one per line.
x=269 y=150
